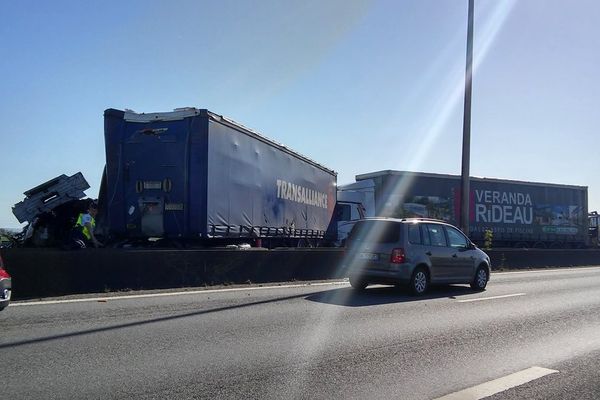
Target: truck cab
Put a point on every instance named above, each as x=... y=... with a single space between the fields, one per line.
x=346 y=214
x=354 y=201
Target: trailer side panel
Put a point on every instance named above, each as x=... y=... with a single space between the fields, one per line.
x=516 y=212
x=254 y=184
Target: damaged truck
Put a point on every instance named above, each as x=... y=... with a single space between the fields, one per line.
x=191 y=176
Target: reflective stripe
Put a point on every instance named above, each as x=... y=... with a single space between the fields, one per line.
x=84 y=229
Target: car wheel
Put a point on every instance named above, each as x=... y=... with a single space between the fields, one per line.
x=481 y=279
x=419 y=282
x=358 y=283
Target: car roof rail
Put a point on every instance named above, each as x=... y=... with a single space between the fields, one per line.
x=425 y=220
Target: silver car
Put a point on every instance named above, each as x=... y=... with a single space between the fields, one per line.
x=415 y=252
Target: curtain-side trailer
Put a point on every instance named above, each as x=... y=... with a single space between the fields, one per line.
x=519 y=214
x=194 y=174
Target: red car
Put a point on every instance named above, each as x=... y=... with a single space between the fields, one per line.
x=5 y=286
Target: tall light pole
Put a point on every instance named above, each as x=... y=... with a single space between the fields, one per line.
x=466 y=149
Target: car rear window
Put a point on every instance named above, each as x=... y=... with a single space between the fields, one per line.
x=414 y=234
x=375 y=232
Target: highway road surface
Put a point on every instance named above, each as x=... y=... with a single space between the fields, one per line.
x=530 y=335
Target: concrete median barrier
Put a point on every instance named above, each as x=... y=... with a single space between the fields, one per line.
x=47 y=272
x=542 y=258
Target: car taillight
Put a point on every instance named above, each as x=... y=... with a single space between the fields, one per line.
x=398 y=256
x=4 y=274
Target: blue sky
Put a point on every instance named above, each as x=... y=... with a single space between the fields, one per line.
x=359 y=86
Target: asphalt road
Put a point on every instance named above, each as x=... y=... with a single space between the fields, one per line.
x=319 y=341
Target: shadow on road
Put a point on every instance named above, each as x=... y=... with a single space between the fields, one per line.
x=142 y=323
x=343 y=297
x=384 y=295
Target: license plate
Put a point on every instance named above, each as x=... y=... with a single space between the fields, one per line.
x=368 y=256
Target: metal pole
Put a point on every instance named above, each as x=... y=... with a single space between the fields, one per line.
x=466 y=149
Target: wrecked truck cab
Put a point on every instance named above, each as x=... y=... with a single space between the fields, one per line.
x=50 y=210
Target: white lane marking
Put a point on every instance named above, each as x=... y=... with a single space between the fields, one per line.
x=550 y=270
x=499 y=385
x=49 y=302
x=491 y=298
x=143 y=296
x=126 y=297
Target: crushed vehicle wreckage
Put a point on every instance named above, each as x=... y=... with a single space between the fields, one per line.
x=50 y=210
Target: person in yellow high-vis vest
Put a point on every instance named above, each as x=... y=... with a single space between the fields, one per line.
x=83 y=231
